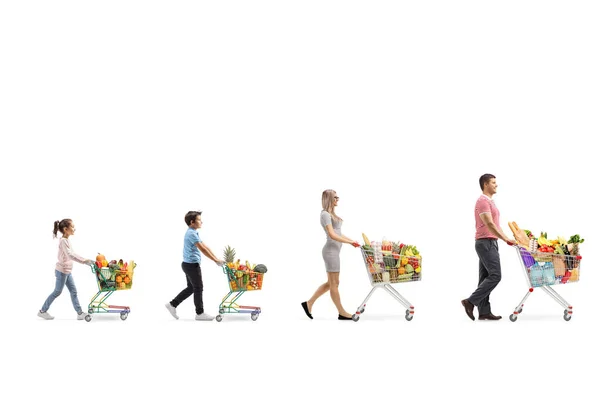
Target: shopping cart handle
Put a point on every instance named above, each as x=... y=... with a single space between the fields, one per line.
x=356 y=244
x=511 y=243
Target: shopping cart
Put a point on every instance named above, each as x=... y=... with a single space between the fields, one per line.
x=544 y=270
x=110 y=280
x=239 y=283
x=384 y=270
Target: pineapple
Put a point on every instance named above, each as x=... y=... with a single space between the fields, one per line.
x=229 y=255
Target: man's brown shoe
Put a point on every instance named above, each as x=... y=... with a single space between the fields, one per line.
x=490 y=317
x=468 y=308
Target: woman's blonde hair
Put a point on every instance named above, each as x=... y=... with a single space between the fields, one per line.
x=327 y=200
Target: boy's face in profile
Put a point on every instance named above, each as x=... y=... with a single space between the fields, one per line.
x=197 y=223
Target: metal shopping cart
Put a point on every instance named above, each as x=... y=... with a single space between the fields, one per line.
x=240 y=281
x=110 y=280
x=384 y=270
x=543 y=270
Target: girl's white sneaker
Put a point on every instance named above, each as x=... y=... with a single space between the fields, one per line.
x=45 y=315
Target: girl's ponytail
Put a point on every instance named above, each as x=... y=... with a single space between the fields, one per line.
x=55 y=231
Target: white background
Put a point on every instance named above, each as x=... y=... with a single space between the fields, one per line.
x=125 y=115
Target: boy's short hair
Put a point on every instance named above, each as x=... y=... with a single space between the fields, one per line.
x=191 y=216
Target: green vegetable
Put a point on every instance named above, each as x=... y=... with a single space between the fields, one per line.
x=576 y=239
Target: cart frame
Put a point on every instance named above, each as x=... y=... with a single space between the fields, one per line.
x=385 y=282
x=529 y=260
x=237 y=288
x=98 y=305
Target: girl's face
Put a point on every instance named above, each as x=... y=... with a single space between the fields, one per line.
x=335 y=199
x=70 y=230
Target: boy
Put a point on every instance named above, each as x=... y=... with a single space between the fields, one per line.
x=192 y=246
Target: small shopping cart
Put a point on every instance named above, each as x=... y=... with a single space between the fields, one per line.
x=109 y=281
x=240 y=281
x=386 y=269
x=543 y=270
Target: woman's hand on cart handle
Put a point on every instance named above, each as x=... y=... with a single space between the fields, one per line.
x=355 y=244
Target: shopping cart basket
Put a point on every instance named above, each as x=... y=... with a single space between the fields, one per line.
x=384 y=270
x=543 y=270
x=110 y=280
x=240 y=281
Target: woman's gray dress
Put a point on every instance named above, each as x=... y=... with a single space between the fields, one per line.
x=331 y=250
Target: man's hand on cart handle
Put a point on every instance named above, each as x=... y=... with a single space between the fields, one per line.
x=510 y=243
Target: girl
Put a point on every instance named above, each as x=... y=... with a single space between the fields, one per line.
x=332 y=225
x=66 y=256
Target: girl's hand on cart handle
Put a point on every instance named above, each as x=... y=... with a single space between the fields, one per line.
x=355 y=244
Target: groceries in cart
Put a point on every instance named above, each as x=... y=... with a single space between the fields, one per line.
x=115 y=274
x=548 y=261
x=242 y=277
x=392 y=262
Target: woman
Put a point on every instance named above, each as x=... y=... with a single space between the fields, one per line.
x=332 y=224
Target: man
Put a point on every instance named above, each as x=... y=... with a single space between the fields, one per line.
x=487 y=233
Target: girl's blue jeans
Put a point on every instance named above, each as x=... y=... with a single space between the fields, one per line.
x=61 y=281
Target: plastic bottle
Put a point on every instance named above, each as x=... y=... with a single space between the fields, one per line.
x=536 y=275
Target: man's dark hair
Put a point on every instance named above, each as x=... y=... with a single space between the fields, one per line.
x=485 y=178
x=191 y=216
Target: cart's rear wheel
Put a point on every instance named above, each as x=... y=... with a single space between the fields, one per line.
x=520 y=310
x=124 y=315
x=254 y=316
x=355 y=317
x=408 y=316
x=361 y=310
x=221 y=311
x=88 y=318
x=90 y=310
x=566 y=312
x=513 y=317
x=219 y=318
x=567 y=317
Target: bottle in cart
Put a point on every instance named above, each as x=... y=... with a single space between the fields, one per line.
x=548 y=274
x=536 y=275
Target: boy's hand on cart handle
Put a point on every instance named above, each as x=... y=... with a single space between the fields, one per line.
x=220 y=262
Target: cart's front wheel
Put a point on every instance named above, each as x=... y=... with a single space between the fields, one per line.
x=355 y=317
x=90 y=310
x=408 y=316
x=124 y=315
x=254 y=316
x=88 y=318
x=219 y=318
x=567 y=317
x=221 y=311
x=513 y=317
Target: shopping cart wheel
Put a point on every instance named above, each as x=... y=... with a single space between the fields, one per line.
x=520 y=310
x=407 y=312
x=512 y=317
x=567 y=317
x=361 y=310
x=221 y=311
x=219 y=318
x=566 y=312
x=355 y=317
x=124 y=315
x=408 y=316
x=254 y=316
x=90 y=310
x=88 y=318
